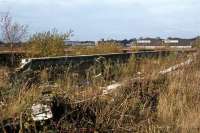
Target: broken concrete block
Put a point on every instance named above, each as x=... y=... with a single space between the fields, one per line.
x=173 y=68
x=111 y=88
x=41 y=112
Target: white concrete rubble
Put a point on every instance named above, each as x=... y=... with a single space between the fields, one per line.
x=110 y=88
x=170 y=69
x=41 y=112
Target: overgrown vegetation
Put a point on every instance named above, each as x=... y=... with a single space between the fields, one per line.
x=143 y=100
x=50 y=43
x=178 y=104
x=147 y=101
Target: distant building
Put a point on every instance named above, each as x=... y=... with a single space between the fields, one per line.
x=168 y=41
x=143 y=41
x=111 y=41
x=79 y=43
x=149 y=42
x=131 y=42
x=179 y=42
x=153 y=43
x=72 y=43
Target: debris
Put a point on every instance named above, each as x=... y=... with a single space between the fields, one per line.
x=139 y=73
x=189 y=61
x=111 y=88
x=41 y=112
x=99 y=75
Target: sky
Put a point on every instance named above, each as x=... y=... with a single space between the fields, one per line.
x=109 y=19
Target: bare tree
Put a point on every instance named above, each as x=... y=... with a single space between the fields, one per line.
x=12 y=32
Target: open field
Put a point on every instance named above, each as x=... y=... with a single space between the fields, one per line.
x=143 y=100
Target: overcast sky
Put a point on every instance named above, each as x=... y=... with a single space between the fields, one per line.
x=117 y=19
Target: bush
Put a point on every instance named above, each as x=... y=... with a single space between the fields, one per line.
x=49 y=43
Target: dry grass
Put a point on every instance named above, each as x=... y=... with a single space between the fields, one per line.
x=98 y=49
x=7 y=48
x=178 y=104
x=153 y=104
x=15 y=105
x=4 y=75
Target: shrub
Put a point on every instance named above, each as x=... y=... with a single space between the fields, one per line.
x=49 y=43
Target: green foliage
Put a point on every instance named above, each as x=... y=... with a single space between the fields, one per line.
x=49 y=43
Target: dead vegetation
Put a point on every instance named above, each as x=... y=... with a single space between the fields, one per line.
x=105 y=47
x=146 y=102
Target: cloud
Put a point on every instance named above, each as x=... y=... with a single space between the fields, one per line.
x=102 y=18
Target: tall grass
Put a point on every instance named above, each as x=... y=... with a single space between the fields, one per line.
x=178 y=105
x=147 y=102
